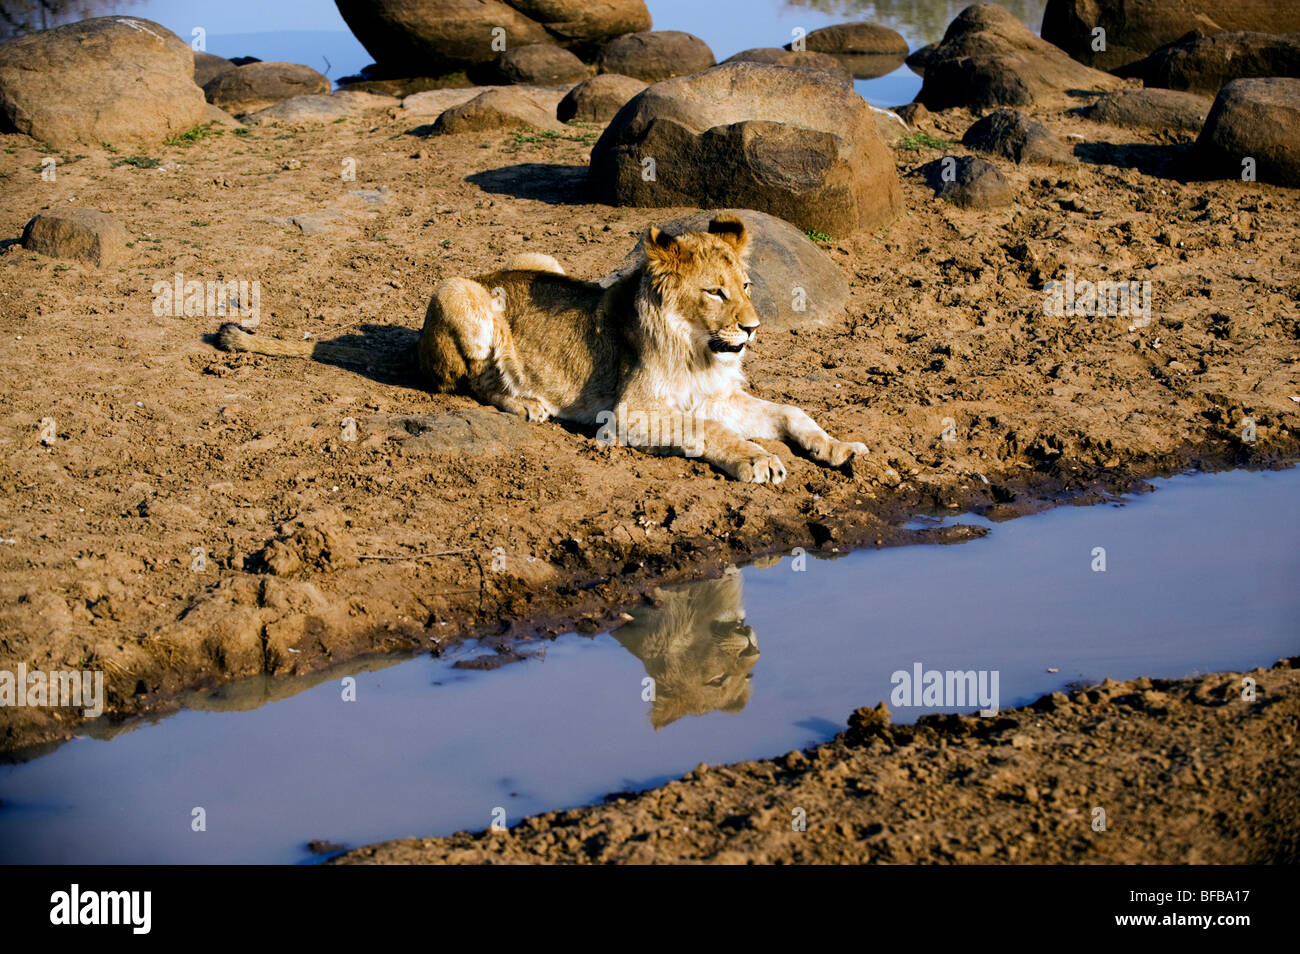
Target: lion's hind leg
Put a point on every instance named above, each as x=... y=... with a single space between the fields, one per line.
x=466 y=345
x=534 y=262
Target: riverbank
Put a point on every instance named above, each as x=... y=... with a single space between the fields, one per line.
x=199 y=516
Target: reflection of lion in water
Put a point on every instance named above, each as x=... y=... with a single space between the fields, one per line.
x=696 y=646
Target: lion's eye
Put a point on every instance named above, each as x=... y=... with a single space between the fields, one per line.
x=719 y=293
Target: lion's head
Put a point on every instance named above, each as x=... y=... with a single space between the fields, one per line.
x=697 y=648
x=702 y=285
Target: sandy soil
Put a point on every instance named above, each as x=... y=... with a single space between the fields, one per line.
x=316 y=549
x=1184 y=772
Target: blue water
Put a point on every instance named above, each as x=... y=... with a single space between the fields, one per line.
x=1201 y=576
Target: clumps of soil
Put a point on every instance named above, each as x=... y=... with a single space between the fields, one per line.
x=316 y=542
x=1151 y=771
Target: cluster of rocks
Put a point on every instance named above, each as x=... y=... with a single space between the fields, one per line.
x=1226 y=71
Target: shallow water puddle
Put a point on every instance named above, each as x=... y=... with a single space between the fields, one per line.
x=1199 y=576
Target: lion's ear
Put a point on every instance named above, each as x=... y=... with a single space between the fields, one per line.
x=731 y=230
x=662 y=247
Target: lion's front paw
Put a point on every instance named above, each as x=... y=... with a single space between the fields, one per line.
x=840 y=452
x=762 y=468
x=533 y=411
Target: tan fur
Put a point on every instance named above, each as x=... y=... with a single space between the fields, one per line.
x=662 y=345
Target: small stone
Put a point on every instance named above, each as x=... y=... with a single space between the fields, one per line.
x=968 y=182
x=85 y=235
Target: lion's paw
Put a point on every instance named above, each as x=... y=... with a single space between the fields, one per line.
x=841 y=452
x=762 y=469
x=533 y=411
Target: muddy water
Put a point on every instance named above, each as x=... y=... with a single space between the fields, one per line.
x=1200 y=575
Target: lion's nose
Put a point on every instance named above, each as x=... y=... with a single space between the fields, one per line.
x=749 y=329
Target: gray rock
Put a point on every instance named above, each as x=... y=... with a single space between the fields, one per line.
x=497 y=109
x=85 y=235
x=598 y=99
x=857 y=38
x=912 y=113
x=312 y=223
x=1012 y=135
x=795 y=59
x=300 y=109
x=435 y=102
x=1136 y=28
x=539 y=64
x=1256 y=119
x=208 y=67
x=655 y=55
x=1204 y=64
x=472 y=431
x=1151 y=109
x=319 y=109
x=866 y=49
x=917 y=59
x=430 y=37
x=988 y=58
x=215 y=114
x=256 y=86
x=794 y=143
x=968 y=182
x=794 y=283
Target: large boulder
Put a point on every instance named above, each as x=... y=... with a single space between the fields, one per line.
x=795 y=283
x=1259 y=120
x=109 y=79
x=598 y=99
x=988 y=58
x=795 y=143
x=538 y=64
x=497 y=109
x=655 y=55
x=1151 y=109
x=795 y=59
x=1012 y=135
x=1135 y=28
x=85 y=235
x=431 y=37
x=867 y=49
x=1204 y=64
x=247 y=89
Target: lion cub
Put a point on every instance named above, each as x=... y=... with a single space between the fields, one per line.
x=654 y=359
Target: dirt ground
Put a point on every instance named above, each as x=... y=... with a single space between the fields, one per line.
x=1183 y=771
x=198 y=516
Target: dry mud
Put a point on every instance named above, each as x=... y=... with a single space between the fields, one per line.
x=199 y=517
x=1183 y=771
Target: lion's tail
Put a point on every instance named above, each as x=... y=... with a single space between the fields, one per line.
x=233 y=337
